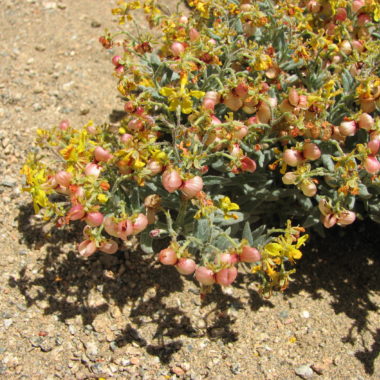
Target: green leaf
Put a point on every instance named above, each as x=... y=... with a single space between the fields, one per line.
x=146 y=241
x=202 y=229
x=247 y=233
x=328 y=163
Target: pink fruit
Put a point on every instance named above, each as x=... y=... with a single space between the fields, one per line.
x=240 y=131
x=308 y=188
x=366 y=121
x=292 y=157
x=92 y=170
x=63 y=178
x=226 y=276
x=102 y=154
x=205 y=276
x=76 y=212
x=374 y=146
x=64 y=125
x=177 y=49
x=311 y=151
x=94 y=219
x=356 y=5
x=194 y=34
x=250 y=255
x=372 y=165
x=139 y=224
x=191 y=187
x=186 y=266
x=247 y=164
x=167 y=256
x=87 y=248
x=109 y=246
x=171 y=180
x=154 y=166
x=116 y=60
x=289 y=178
x=347 y=128
x=340 y=14
x=329 y=220
x=345 y=218
x=126 y=137
x=124 y=229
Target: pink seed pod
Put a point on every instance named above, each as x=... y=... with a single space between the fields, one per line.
x=363 y=19
x=92 y=169
x=356 y=5
x=177 y=49
x=226 y=276
x=240 y=131
x=210 y=100
x=340 y=14
x=241 y=90
x=303 y=103
x=250 y=255
x=101 y=154
x=347 y=128
x=324 y=207
x=139 y=224
x=264 y=113
x=136 y=125
x=308 y=188
x=186 y=266
x=110 y=226
x=183 y=20
x=247 y=164
x=313 y=6
x=94 y=219
x=171 y=180
x=87 y=248
x=76 y=212
x=345 y=218
x=126 y=137
x=292 y=157
x=374 y=146
x=205 y=276
x=357 y=45
x=225 y=258
x=371 y=165
x=191 y=187
x=64 y=125
x=289 y=178
x=154 y=166
x=109 y=246
x=345 y=47
x=311 y=151
x=124 y=229
x=119 y=69
x=63 y=178
x=328 y=220
x=293 y=97
x=194 y=34
x=91 y=129
x=116 y=60
x=215 y=120
x=232 y=102
x=366 y=121
x=77 y=192
x=167 y=256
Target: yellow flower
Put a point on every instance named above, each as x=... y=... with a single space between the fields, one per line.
x=285 y=247
x=102 y=198
x=226 y=205
x=182 y=97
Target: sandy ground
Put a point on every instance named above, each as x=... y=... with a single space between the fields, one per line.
x=125 y=316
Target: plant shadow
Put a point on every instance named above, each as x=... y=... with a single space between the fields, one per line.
x=345 y=264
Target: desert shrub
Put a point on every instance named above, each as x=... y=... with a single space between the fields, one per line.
x=239 y=117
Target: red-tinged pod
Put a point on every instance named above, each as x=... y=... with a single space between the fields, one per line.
x=226 y=276
x=347 y=128
x=191 y=187
x=328 y=220
x=124 y=229
x=94 y=219
x=102 y=154
x=64 y=178
x=292 y=157
x=250 y=255
x=92 y=170
x=248 y=165
x=171 y=180
x=109 y=246
x=205 y=276
x=372 y=165
x=186 y=266
x=345 y=218
x=289 y=178
x=366 y=121
x=139 y=224
x=168 y=256
x=110 y=226
x=87 y=248
x=311 y=151
x=76 y=212
x=374 y=146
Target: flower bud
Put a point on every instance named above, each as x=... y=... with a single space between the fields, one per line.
x=366 y=121
x=345 y=218
x=247 y=164
x=109 y=246
x=311 y=151
x=191 y=187
x=205 y=276
x=92 y=169
x=371 y=165
x=87 y=248
x=186 y=266
x=171 y=180
x=167 y=256
x=347 y=128
x=63 y=178
x=289 y=178
x=177 y=49
x=102 y=154
x=76 y=212
x=94 y=219
x=250 y=255
x=226 y=276
x=308 y=188
x=292 y=157
x=139 y=224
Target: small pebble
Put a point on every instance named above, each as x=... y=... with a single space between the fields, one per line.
x=304 y=371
